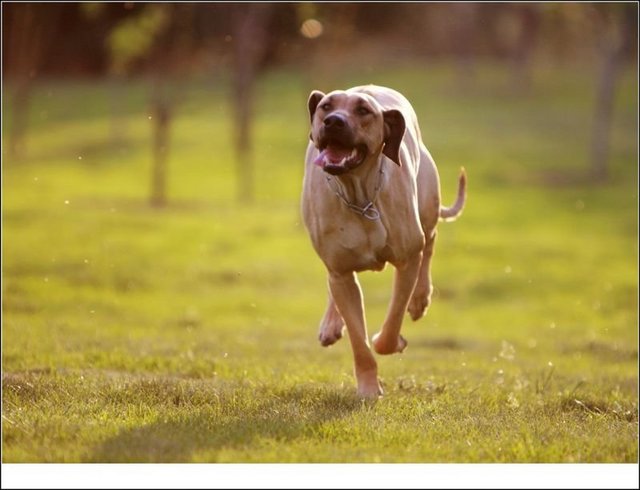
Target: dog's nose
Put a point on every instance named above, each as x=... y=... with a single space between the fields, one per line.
x=334 y=121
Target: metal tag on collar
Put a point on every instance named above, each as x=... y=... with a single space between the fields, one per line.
x=370 y=212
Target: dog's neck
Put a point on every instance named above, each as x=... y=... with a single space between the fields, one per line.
x=360 y=185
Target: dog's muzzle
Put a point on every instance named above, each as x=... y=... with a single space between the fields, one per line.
x=338 y=151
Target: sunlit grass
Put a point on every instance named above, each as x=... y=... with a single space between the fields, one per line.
x=189 y=333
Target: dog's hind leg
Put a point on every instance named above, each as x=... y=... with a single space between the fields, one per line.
x=428 y=183
x=421 y=297
x=332 y=324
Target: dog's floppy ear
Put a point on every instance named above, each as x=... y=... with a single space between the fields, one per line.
x=394 y=127
x=315 y=97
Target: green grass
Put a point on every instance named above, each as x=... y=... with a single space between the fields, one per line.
x=189 y=334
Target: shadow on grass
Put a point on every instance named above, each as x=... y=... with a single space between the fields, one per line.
x=234 y=421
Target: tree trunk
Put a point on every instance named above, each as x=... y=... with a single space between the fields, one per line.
x=244 y=160
x=617 y=37
x=250 y=36
x=31 y=29
x=25 y=39
x=19 y=117
x=167 y=60
x=340 y=32
x=603 y=115
x=529 y=20
x=463 y=32
x=117 y=124
x=161 y=121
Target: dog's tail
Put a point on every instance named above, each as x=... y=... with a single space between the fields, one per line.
x=451 y=213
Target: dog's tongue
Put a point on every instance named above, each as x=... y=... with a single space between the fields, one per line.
x=332 y=154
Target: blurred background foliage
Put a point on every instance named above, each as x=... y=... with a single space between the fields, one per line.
x=85 y=39
x=169 y=43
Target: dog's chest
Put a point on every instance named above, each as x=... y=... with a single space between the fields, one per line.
x=350 y=241
x=347 y=241
x=361 y=243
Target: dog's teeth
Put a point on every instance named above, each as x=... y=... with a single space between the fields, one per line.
x=327 y=160
x=353 y=153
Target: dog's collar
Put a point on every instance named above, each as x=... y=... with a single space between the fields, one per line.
x=368 y=210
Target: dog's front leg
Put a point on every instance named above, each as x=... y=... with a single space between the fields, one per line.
x=389 y=340
x=347 y=295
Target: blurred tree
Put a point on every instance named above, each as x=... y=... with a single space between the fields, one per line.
x=160 y=38
x=463 y=32
x=30 y=27
x=528 y=16
x=131 y=39
x=169 y=61
x=250 y=39
x=311 y=29
x=616 y=25
x=116 y=72
x=340 y=31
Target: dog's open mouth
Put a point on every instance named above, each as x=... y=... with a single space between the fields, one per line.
x=337 y=159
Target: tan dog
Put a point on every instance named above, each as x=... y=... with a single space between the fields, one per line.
x=371 y=195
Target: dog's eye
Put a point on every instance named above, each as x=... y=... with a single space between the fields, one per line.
x=326 y=106
x=362 y=111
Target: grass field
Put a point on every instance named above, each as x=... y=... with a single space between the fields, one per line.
x=188 y=334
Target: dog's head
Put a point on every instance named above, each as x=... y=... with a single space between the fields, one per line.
x=350 y=128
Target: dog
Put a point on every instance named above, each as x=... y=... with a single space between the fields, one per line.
x=371 y=196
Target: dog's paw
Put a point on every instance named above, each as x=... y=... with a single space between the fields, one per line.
x=369 y=387
x=372 y=392
x=329 y=335
x=419 y=304
x=385 y=347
